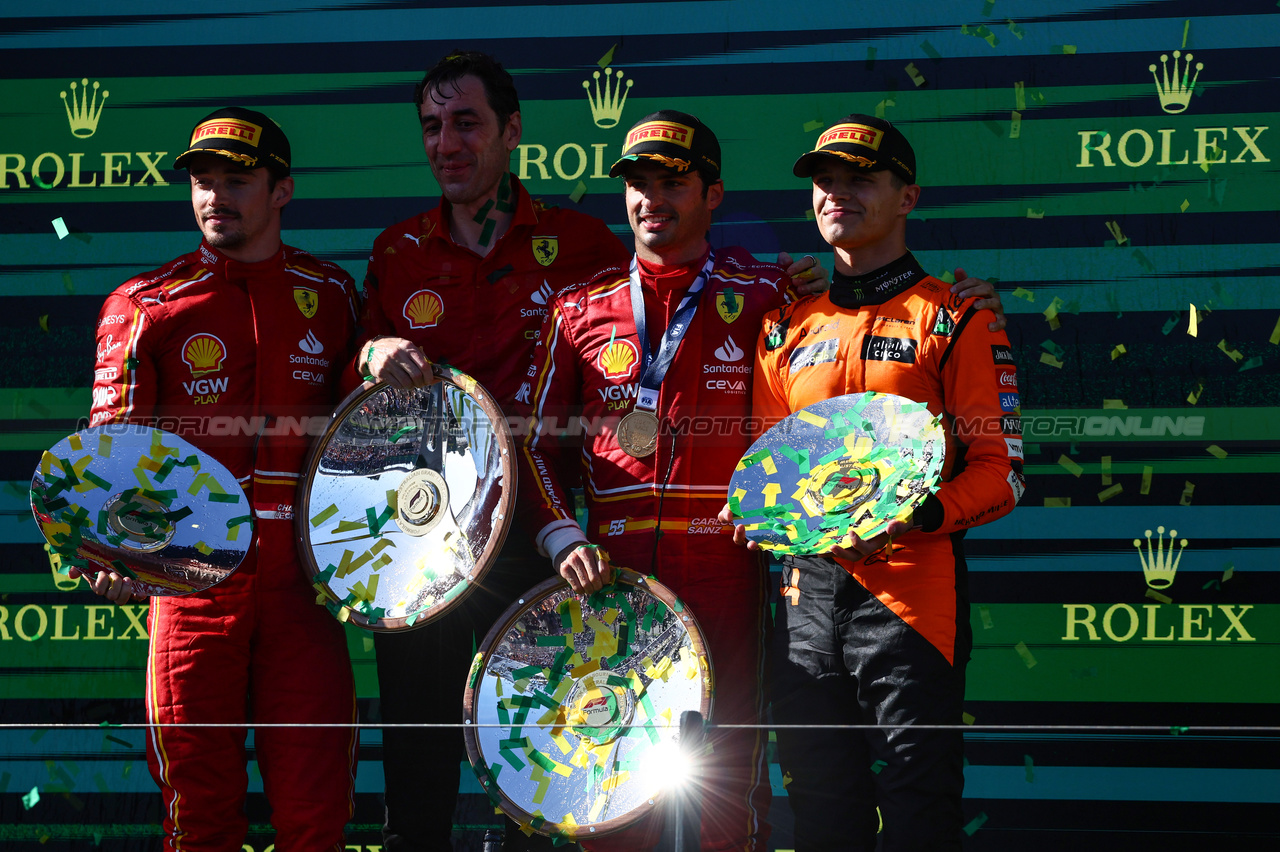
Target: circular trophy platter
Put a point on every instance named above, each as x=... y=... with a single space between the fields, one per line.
x=405 y=500
x=573 y=704
x=846 y=465
x=143 y=503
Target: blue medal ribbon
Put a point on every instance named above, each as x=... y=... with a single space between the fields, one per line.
x=654 y=367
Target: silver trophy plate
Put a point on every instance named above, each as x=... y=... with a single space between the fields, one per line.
x=846 y=465
x=143 y=503
x=573 y=704
x=406 y=500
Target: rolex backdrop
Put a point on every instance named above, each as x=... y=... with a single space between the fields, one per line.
x=1113 y=165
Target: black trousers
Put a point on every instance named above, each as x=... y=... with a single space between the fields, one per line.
x=421 y=678
x=840 y=656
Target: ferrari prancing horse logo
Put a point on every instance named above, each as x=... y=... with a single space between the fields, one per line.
x=545 y=249
x=306 y=300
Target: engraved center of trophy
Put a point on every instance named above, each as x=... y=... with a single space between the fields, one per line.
x=141 y=522
x=844 y=488
x=598 y=709
x=421 y=501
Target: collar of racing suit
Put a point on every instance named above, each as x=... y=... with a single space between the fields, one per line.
x=876 y=287
x=665 y=279
x=235 y=270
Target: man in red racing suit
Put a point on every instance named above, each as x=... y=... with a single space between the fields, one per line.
x=656 y=513
x=466 y=283
x=878 y=633
x=237 y=347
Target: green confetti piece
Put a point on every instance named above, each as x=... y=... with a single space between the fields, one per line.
x=544 y=762
x=561 y=639
x=486 y=233
x=90 y=476
x=483 y=212
x=810 y=126
x=578 y=192
x=1177 y=730
x=975 y=824
x=1253 y=362
x=755 y=458
x=930 y=50
x=878 y=766
x=1030 y=767
x=241 y=519
x=606 y=60
x=30 y=800
x=215 y=497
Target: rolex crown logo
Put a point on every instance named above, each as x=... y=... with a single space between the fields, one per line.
x=1159 y=566
x=83 y=112
x=1175 y=90
x=606 y=105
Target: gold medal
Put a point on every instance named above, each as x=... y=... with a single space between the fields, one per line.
x=638 y=434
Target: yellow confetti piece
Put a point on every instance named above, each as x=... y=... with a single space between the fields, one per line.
x=1118 y=351
x=1015 y=125
x=1051 y=312
x=1187 y=488
x=1185 y=205
x=1194 y=396
x=1274 y=339
x=1025 y=653
x=1193 y=327
x=585 y=669
x=1068 y=49
x=1230 y=351
x=1057 y=502
x=1046 y=358
x=203 y=548
x=810 y=215
x=883 y=105
x=771 y=492
x=968 y=718
x=1156 y=596
x=594 y=814
x=1217 y=452
x=768 y=465
x=344 y=614
x=1147 y=471
x=60 y=228
x=811 y=419
x=1113 y=403
x=914 y=73
x=1106 y=470
x=325 y=515
x=614 y=781
x=1024 y=293
x=604 y=61
x=1107 y=494
x=1019 y=95
x=985 y=614
x=810 y=126
x=1032 y=213
x=1114 y=228
x=1072 y=468
x=1228 y=572
x=75 y=443
x=579 y=192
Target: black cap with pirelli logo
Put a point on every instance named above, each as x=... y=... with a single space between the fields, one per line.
x=243 y=135
x=672 y=139
x=862 y=141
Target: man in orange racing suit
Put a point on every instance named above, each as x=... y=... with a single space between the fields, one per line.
x=244 y=338
x=877 y=633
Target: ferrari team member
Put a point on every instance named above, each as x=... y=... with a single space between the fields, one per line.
x=878 y=633
x=242 y=330
x=664 y=340
x=468 y=283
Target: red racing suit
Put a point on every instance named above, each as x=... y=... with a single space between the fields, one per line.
x=482 y=315
x=658 y=514
x=885 y=640
x=241 y=359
